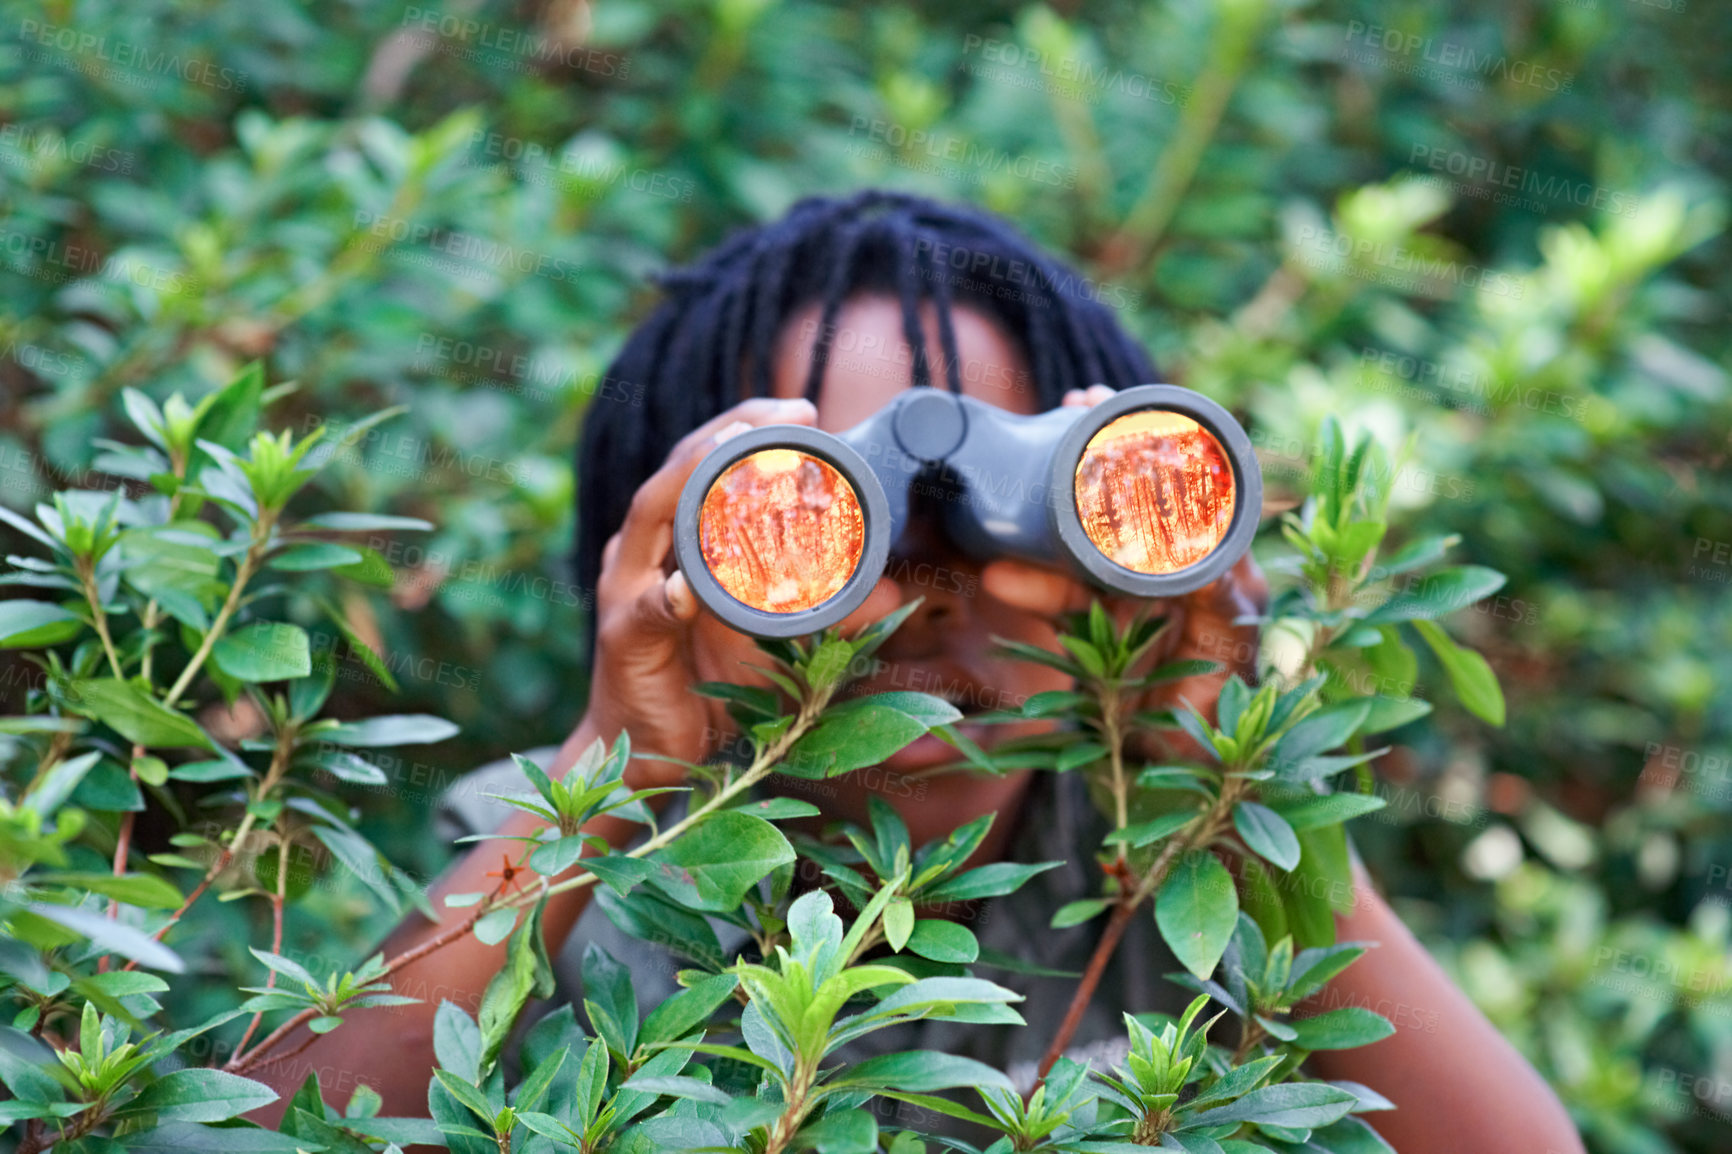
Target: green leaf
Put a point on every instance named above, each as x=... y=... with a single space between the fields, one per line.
x=919 y=1071
x=1330 y=809
x=687 y=1010
x=987 y=881
x=114 y=936
x=851 y=736
x=898 y=923
x=492 y=927
x=142 y=890
x=527 y=972
x=29 y=624
x=457 y=1042
x=1051 y=702
x=1469 y=674
x=677 y=1086
x=714 y=864
x=925 y=708
x=201 y=1095
x=1267 y=833
x=1196 y=911
x=610 y=999
x=1325 y=729
x=395 y=729
x=1144 y=832
x=1078 y=912
x=343 y=766
x=1388 y=713
x=466 y=1093
x=60 y=783
x=136 y=715
x=264 y=651
x=363 y=860
x=1438 y=594
x=312 y=556
x=943 y=941
x=1416 y=554
x=1341 y=1029
x=363 y=522
x=1079 y=753
x=841 y=1132
x=1290 y=1104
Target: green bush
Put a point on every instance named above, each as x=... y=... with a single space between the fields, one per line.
x=155 y=594
x=1498 y=239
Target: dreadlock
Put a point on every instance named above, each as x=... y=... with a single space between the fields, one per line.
x=724 y=313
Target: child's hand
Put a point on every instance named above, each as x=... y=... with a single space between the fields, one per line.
x=646 y=616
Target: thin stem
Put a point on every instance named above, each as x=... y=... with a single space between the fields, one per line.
x=57 y=747
x=277 y=901
x=1203 y=833
x=1085 y=990
x=98 y=617
x=151 y=616
x=122 y=847
x=279 y=766
x=1112 y=729
x=248 y=566
x=1251 y=1033
x=1183 y=155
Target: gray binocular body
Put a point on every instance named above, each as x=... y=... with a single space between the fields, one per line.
x=1175 y=509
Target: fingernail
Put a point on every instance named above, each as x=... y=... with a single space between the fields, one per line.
x=731 y=430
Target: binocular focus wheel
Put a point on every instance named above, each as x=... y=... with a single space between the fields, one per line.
x=807 y=566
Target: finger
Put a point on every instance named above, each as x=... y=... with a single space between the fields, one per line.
x=660 y=609
x=1031 y=589
x=647 y=533
x=682 y=603
x=1095 y=394
x=1073 y=398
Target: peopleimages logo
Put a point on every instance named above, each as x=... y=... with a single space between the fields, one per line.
x=1321 y=245
x=127 y=54
x=474 y=254
x=1459 y=57
x=473 y=39
x=21 y=146
x=1068 y=73
x=959 y=151
x=984 y=270
x=1484 y=170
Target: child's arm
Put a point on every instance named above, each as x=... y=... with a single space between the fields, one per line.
x=1457 y=1083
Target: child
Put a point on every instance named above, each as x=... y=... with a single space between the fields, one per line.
x=820 y=319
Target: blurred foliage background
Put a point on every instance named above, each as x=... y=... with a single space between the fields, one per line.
x=1492 y=232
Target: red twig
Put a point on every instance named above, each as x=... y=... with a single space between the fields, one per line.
x=1085 y=990
x=277 y=901
x=122 y=848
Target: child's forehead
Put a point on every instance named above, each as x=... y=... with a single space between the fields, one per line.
x=870 y=359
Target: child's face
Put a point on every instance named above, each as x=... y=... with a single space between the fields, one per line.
x=946 y=648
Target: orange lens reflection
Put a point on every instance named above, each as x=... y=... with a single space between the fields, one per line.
x=781 y=530
x=1154 y=491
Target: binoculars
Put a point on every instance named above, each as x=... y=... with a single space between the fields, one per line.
x=783 y=530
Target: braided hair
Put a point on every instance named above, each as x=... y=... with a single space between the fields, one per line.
x=711 y=342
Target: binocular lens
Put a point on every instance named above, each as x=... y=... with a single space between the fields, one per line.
x=1154 y=491
x=781 y=530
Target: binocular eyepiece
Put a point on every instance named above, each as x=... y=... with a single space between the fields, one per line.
x=783 y=530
